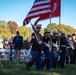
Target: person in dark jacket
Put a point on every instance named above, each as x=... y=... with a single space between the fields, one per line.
x=18 y=44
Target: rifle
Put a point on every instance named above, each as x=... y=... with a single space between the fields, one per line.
x=34 y=32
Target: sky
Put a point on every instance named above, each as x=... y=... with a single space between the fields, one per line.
x=16 y=10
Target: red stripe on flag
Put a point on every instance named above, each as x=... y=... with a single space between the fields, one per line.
x=36 y=12
x=43 y=9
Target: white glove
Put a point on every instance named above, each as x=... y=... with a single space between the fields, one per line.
x=47 y=45
x=42 y=52
x=49 y=49
x=40 y=42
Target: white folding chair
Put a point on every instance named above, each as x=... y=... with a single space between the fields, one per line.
x=8 y=56
x=1 y=65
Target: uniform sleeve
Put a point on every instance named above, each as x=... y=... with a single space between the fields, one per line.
x=33 y=38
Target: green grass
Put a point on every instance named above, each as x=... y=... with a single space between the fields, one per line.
x=19 y=69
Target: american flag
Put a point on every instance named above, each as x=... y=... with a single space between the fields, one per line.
x=39 y=8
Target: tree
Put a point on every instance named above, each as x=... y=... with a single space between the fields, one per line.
x=2 y=22
x=24 y=31
x=63 y=28
x=4 y=31
x=52 y=26
x=42 y=32
x=13 y=26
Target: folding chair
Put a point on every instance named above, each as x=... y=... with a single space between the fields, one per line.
x=9 y=55
x=1 y=58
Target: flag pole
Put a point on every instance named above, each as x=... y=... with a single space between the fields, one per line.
x=50 y=33
x=59 y=23
x=50 y=23
x=50 y=19
x=60 y=17
x=50 y=42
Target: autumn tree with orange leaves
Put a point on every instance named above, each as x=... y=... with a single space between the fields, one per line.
x=13 y=26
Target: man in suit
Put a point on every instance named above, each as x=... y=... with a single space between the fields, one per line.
x=18 y=43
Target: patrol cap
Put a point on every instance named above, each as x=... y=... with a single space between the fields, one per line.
x=55 y=32
x=62 y=33
x=38 y=25
x=47 y=31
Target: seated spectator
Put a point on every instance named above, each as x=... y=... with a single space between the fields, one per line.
x=1 y=42
x=6 y=44
x=27 y=44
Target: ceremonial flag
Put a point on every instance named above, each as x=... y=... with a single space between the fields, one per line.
x=39 y=7
x=55 y=11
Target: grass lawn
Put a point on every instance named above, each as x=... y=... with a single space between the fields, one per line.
x=19 y=69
